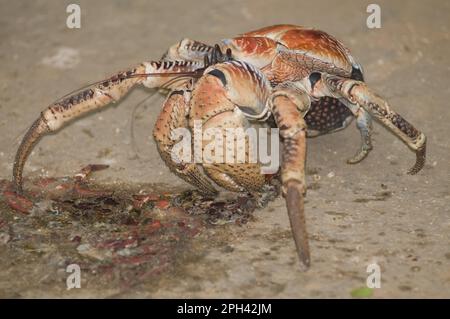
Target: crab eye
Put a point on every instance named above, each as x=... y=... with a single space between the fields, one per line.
x=357 y=73
x=314 y=78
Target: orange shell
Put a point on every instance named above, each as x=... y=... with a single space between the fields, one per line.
x=315 y=43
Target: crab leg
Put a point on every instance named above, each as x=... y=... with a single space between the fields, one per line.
x=289 y=107
x=364 y=125
x=358 y=93
x=150 y=74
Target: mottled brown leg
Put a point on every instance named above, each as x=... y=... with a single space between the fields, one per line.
x=150 y=74
x=289 y=108
x=70 y=108
x=358 y=93
x=173 y=116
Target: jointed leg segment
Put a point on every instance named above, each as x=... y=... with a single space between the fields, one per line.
x=150 y=74
x=358 y=93
x=289 y=107
x=364 y=125
x=70 y=108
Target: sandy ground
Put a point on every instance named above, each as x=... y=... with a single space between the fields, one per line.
x=357 y=215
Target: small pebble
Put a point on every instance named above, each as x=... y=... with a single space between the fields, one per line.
x=415 y=268
x=83 y=247
x=125 y=252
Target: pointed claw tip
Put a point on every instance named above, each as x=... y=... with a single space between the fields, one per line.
x=420 y=160
x=305 y=263
x=295 y=206
x=412 y=171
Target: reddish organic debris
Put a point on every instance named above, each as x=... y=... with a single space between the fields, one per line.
x=142 y=199
x=88 y=170
x=162 y=204
x=44 y=182
x=119 y=235
x=85 y=192
x=18 y=202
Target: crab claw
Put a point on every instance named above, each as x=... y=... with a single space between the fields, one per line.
x=295 y=207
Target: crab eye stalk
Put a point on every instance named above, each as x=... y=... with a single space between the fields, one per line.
x=217 y=55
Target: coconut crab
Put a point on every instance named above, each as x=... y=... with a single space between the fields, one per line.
x=300 y=80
